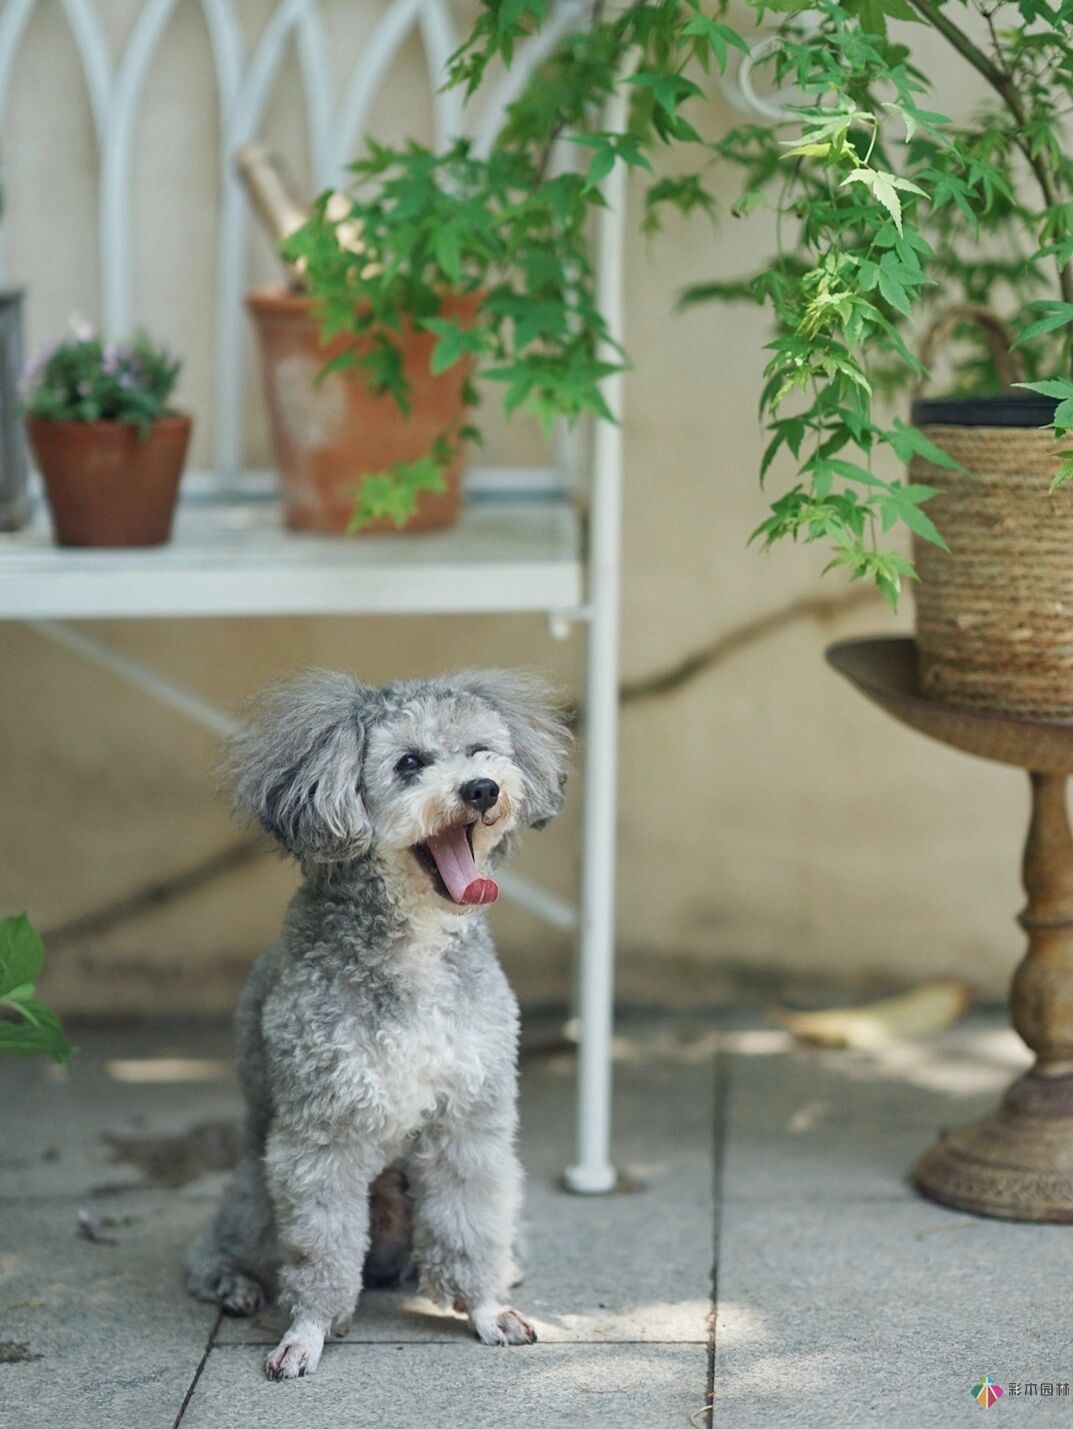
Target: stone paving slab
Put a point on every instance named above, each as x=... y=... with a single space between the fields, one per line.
x=844 y=1298
x=107 y=1335
x=463 y=1386
x=664 y=1109
x=832 y=1124
x=124 y=1084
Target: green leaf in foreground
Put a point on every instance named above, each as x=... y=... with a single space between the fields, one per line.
x=1058 y=387
x=22 y=953
x=27 y=1027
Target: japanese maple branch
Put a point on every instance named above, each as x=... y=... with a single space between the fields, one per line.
x=1004 y=87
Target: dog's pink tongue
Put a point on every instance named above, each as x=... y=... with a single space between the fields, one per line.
x=454 y=859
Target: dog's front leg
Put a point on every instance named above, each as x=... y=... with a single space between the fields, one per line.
x=320 y=1194
x=467 y=1182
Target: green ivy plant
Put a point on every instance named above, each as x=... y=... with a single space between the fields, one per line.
x=27 y=1027
x=883 y=208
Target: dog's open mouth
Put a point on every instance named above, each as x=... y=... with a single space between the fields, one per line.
x=447 y=857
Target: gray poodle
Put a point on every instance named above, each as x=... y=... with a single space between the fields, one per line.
x=377 y=1040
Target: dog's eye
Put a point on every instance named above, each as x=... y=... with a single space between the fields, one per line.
x=409 y=765
x=477 y=749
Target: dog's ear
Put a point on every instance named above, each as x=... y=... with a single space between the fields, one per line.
x=296 y=766
x=537 y=718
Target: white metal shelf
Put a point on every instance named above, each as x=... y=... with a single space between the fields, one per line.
x=516 y=548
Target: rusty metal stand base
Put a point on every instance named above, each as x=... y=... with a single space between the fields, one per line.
x=1016 y=1164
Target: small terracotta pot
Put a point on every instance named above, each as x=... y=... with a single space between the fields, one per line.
x=328 y=435
x=106 y=484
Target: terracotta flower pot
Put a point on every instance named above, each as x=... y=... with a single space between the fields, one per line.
x=328 y=435
x=106 y=484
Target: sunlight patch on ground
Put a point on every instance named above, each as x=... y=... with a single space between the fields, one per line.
x=633 y=1372
x=1000 y=1044
x=740 y=1324
x=967 y=1070
x=170 y=1069
x=771 y=1374
x=680 y=1320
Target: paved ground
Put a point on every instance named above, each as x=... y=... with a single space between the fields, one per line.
x=774 y=1175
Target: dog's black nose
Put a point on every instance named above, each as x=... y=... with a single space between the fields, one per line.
x=479 y=794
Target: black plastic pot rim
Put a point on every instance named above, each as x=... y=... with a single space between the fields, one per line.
x=1000 y=409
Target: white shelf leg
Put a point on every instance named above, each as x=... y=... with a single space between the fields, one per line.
x=592 y=1172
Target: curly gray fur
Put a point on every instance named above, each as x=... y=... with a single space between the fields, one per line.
x=377 y=1040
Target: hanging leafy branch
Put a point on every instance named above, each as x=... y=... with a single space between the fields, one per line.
x=883 y=206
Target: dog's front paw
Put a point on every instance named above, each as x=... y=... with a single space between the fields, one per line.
x=294 y=1356
x=500 y=1325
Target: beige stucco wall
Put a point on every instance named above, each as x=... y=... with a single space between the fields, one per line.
x=770 y=820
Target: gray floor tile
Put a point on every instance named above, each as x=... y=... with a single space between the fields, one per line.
x=110 y=1336
x=854 y=1313
x=463 y=1386
x=78 y=1130
x=851 y=1124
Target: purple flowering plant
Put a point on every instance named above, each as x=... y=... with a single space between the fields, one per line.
x=86 y=379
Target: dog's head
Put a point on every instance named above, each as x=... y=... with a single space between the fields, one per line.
x=431 y=774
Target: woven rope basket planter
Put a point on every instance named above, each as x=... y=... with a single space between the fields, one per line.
x=994 y=617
